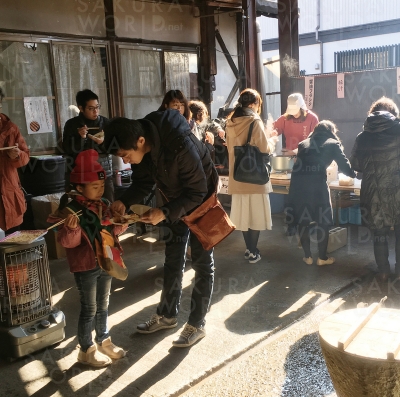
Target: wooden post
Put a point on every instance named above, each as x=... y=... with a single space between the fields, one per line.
x=208 y=55
x=250 y=44
x=113 y=76
x=241 y=51
x=288 y=26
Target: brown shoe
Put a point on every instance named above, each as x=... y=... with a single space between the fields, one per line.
x=93 y=357
x=109 y=349
x=189 y=336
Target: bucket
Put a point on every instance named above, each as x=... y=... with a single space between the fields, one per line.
x=43 y=175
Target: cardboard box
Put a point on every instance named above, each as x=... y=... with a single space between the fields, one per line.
x=42 y=207
x=54 y=249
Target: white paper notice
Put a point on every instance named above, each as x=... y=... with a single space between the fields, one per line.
x=340 y=85
x=398 y=81
x=309 y=92
x=37 y=115
x=224 y=184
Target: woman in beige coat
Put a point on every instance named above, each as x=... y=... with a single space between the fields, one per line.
x=250 y=211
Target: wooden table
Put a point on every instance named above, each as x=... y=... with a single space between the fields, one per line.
x=281 y=186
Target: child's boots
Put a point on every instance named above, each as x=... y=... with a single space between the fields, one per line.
x=93 y=357
x=109 y=349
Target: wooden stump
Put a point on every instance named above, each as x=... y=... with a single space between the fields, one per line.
x=361 y=348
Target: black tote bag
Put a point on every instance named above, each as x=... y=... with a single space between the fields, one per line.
x=251 y=166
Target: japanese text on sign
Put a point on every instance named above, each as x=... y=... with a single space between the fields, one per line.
x=398 y=81
x=340 y=85
x=37 y=115
x=309 y=91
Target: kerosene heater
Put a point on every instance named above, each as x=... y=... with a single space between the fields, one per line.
x=28 y=322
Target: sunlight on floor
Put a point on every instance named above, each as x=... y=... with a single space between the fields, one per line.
x=235 y=298
x=299 y=303
x=57 y=297
x=129 y=311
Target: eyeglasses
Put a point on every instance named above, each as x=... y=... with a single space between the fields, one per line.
x=93 y=108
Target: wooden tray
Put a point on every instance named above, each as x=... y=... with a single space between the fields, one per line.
x=23 y=237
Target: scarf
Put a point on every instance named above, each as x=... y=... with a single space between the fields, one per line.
x=99 y=207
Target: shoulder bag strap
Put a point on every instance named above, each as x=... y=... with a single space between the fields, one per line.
x=250 y=132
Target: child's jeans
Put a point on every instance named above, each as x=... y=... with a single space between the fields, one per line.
x=94 y=290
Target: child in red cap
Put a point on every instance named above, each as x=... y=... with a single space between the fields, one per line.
x=78 y=235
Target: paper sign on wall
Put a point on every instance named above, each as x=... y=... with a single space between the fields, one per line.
x=224 y=184
x=37 y=115
x=340 y=85
x=309 y=92
x=398 y=81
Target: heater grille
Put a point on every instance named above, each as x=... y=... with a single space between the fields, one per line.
x=25 y=285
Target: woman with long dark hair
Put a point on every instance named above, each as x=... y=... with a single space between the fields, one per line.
x=309 y=201
x=174 y=99
x=250 y=210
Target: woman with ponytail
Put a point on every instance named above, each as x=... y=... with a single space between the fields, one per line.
x=250 y=210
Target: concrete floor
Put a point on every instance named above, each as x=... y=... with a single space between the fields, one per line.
x=250 y=303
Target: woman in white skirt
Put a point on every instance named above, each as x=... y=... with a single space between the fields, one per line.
x=250 y=209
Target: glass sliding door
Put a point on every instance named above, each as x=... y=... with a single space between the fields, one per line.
x=25 y=72
x=181 y=73
x=78 y=67
x=142 y=88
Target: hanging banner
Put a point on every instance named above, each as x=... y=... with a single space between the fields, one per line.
x=309 y=92
x=340 y=85
x=37 y=115
x=398 y=81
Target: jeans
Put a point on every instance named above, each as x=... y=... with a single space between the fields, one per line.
x=202 y=264
x=94 y=290
x=381 y=249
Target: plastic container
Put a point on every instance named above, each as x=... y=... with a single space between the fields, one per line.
x=355 y=214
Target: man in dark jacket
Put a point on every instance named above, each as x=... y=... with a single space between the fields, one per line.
x=79 y=134
x=163 y=150
x=376 y=155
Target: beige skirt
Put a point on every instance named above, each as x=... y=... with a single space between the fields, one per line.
x=251 y=211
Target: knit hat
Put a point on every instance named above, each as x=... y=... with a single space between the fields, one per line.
x=295 y=102
x=87 y=169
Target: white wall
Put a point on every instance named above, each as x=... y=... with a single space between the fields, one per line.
x=84 y=17
x=310 y=55
x=342 y=13
x=336 y=14
x=154 y=21
x=354 y=44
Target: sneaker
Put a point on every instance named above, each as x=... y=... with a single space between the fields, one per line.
x=329 y=261
x=156 y=323
x=93 y=357
x=189 y=336
x=246 y=254
x=254 y=258
x=308 y=260
x=109 y=349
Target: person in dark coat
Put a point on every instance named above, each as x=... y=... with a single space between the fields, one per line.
x=376 y=155
x=162 y=149
x=309 y=200
x=77 y=137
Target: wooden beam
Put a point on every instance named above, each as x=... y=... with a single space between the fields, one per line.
x=250 y=44
x=113 y=66
x=288 y=27
x=240 y=37
x=208 y=55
